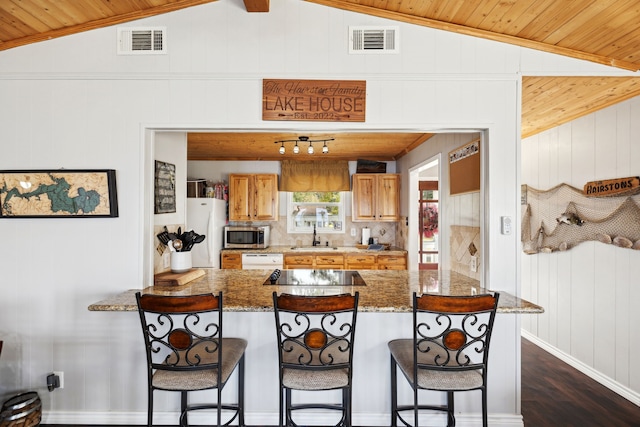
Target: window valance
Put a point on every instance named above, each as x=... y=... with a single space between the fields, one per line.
x=315 y=175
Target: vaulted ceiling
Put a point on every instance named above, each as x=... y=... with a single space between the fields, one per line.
x=604 y=32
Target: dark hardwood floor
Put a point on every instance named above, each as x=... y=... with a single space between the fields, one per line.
x=555 y=394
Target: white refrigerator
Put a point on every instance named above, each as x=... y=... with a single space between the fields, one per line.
x=207 y=216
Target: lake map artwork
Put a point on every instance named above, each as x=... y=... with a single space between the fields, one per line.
x=58 y=193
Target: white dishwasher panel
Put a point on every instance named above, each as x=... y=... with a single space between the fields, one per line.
x=253 y=261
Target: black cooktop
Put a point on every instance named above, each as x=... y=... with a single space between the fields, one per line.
x=315 y=278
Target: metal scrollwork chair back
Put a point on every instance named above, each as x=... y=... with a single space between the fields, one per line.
x=315 y=350
x=186 y=351
x=449 y=352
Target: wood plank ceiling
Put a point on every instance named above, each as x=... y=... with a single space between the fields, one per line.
x=602 y=31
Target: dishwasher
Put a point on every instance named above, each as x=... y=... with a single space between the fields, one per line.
x=253 y=261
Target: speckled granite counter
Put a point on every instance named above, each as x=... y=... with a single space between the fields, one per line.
x=386 y=291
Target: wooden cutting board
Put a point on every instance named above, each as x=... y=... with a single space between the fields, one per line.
x=177 y=279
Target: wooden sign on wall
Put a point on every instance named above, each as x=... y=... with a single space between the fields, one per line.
x=612 y=187
x=314 y=100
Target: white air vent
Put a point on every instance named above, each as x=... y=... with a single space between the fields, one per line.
x=142 y=41
x=373 y=40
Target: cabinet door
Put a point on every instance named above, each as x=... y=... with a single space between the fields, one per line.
x=392 y=262
x=388 y=197
x=335 y=262
x=265 y=197
x=298 y=261
x=240 y=197
x=360 y=262
x=232 y=261
x=363 y=197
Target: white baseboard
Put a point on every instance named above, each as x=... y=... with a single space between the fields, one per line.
x=608 y=382
x=271 y=418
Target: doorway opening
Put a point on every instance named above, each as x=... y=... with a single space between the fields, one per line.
x=428 y=209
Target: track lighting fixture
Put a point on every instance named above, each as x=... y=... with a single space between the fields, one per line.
x=310 y=150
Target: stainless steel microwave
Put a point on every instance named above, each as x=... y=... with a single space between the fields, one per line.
x=246 y=237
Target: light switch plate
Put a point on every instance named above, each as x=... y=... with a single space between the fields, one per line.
x=506 y=225
x=353 y=232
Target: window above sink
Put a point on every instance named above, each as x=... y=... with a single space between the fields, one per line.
x=324 y=210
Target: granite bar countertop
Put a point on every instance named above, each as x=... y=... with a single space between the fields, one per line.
x=283 y=249
x=386 y=291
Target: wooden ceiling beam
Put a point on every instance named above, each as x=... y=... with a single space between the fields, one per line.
x=475 y=32
x=257 y=5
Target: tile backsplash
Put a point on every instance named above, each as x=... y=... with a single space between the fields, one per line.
x=462 y=237
x=385 y=232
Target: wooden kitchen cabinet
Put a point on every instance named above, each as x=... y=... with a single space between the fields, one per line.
x=232 y=260
x=253 y=197
x=392 y=262
x=293 y=261
x=333 y=261
x=360 y=262
x=375 y=197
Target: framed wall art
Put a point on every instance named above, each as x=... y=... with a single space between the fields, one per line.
x=164 y=195
x=464 y=169
x=58 y=193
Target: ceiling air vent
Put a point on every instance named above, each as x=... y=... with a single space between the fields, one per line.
x=373 y=40
x=142 y=41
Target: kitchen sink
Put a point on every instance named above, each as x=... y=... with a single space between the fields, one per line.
x=313 y=248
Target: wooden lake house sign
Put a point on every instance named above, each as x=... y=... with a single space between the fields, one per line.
x=612 y=187
x=314 y=100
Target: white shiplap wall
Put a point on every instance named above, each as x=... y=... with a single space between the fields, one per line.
x=590 y=293
x=73 y=103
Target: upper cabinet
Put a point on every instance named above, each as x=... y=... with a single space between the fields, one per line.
x=376 y=197
x=253 y=197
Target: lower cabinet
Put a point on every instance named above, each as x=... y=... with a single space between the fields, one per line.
x=232 y=260
x=392 y=262
x=360 y=262
x=293 y=261
x=333 y=261
x=330 y=262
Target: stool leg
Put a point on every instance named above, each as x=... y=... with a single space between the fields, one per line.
x=150 y=408
x=184 y=420
x=346 y=406
x=451 y=418
x=485 y=418
x=281 y=408
x=287 y=407
x=394 y=394
x=241 y=392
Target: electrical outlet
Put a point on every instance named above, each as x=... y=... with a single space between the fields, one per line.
x=60 y=376
x=473 y=264
x=166 y=260
x=353 y=232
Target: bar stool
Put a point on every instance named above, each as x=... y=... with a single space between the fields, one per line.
x=315 y=350
x=186 y=351
x=449 y=351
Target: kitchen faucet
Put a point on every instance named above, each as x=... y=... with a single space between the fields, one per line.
x=315 y=242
